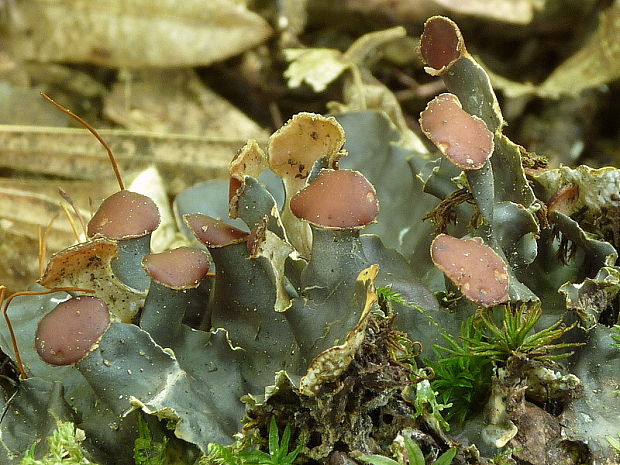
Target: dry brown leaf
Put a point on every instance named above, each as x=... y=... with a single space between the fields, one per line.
x=25 y=211
x=24 y=208
x=176 y=102
x=132 y=33
x=321 y=66
x=19 y=266
x=595 y=64
x=509 y=11
x=79 y=191
x=598 y=62
x=399 y=11
x=27 y=205
x=408 y=11
x=75 y=154
x=25 y=106
x=64 y=77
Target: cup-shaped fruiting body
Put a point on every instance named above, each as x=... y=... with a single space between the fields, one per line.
x=216 y=235
x=130 y=218
x=293 y=151
x=178 y=269
x=476 y=269
x=70 y=331
x=125 y=215
x=175 y=275
x=337 y=199
x=464 y=139
x=443 y=49
x=212 y=232
x=441 y=44
x=338 y=204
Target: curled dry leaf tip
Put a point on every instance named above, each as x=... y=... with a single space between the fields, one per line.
x=306 y=137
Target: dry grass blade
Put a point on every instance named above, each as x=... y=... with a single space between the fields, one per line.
x=42 y=236
x=75 y=154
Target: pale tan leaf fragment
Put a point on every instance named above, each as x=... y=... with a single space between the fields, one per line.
x=26 y=207
x=321 y=66
x=249 y=161
x=149 y=183
x=317 y=67
x=25 y=211
x=368 y=46
x=79 y=191
x=398 y=11
x=64 y=77
x=133 y=33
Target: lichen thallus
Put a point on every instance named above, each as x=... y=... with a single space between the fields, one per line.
x=94 y=228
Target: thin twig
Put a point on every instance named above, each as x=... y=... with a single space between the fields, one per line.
x=94 y=132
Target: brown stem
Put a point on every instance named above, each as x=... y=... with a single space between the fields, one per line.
x=93 y=132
